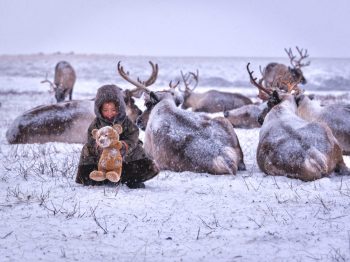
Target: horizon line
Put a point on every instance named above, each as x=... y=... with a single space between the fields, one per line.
x=160 y=56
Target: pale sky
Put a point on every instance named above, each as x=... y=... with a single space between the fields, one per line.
x=175 y=27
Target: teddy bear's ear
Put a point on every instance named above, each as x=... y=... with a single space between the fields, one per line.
x=119 y=128
x=94 y=132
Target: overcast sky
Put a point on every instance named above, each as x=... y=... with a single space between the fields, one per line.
x=175 y=27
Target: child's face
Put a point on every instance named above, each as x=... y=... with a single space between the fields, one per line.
x=108 y=110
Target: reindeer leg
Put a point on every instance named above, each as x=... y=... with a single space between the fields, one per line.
x=342 y=169
x=241 y=166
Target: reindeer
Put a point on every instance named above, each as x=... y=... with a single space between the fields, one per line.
x=211 y=101
x=181 y=140
x=132 y=110
x=273 y=71
x=246 y=116
x=290 y=146
x=61 y=122
x=336 y=116
x=64 y=81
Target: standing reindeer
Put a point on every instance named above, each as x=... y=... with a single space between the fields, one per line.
x=64 y=81
x=211 y=101
x=181 y=140
x=275 y=74
x=290 y=146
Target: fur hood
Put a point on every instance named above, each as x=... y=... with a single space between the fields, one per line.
x=110 y=93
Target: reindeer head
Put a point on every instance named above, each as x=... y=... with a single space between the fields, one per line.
x=188 y=79
x=150 y=103
x=295 y=70
x=60 y=94
x=132 y=109
x=141 y=88
x=154 y=98
x=273 y=96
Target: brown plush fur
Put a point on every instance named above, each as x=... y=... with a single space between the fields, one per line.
x=110 y=163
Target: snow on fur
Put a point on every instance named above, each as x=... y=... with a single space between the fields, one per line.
x=181 y=140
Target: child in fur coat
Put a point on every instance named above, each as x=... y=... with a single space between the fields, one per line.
x=110 y=109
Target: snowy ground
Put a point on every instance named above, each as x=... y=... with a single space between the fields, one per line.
x=178 y=217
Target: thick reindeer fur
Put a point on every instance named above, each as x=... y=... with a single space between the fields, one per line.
x=214 y=101
x=245 y=116
x=61 y=122
x=290 y=146
x=181 y=140
x=336 y=116
x=110 y=163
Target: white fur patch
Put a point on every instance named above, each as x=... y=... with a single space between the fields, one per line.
x=221 y=164
x=231 y=153
x=316 y=162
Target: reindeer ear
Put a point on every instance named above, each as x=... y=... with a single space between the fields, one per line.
x=299 y=98
x=262 y=115
x=311 y=96
x=94 y=132
x=118 y=128
x=153 y=97
x=138 y=93
x=276 y=97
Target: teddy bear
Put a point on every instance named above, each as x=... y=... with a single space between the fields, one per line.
x=110 y=163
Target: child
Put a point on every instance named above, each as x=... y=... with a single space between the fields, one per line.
x=110 y=109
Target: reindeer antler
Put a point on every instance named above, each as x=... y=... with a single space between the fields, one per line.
x=258 y=85
x=302 y=54
x=52 y=86
x=188 y=78
x=153 y=76
x=173 y=86
x=139 y=84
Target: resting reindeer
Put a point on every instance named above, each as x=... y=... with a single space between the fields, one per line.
x=336 y=116
x=290 y=146
x=245 y=116
x=211 y=101
x=181 y=140
x=275 y=74
x=64 y=81
x=61 y=122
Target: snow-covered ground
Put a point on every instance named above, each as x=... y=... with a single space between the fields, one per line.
x=185 y=216
x=178 y=217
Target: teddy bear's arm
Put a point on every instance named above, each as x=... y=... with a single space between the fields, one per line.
x=119 y=145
